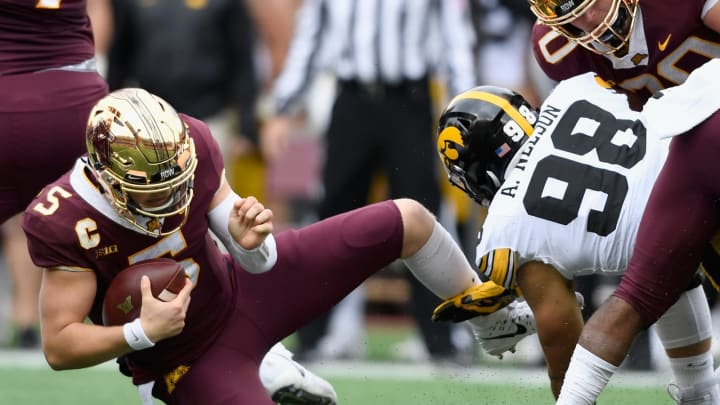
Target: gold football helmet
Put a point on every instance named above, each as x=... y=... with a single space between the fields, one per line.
x=610 y=36
x=141 y=154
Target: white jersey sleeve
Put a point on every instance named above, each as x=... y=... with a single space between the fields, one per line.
x=680 y=108
x=576 y=195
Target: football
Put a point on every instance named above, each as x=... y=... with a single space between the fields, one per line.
x=123 y=297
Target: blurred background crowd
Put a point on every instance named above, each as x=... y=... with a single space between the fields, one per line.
x=319 y=107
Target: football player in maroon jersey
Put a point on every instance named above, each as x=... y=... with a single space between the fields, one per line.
x=679 y=220
x=642 y=46
x=543 y=241
x=152 y=185
x=49 y=82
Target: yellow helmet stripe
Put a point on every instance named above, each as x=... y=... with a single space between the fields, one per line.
x=500 y=102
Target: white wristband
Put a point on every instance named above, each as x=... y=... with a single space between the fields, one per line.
x=256 y=261
x=135 y=335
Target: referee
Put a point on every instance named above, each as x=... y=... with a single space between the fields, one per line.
x=383 y=53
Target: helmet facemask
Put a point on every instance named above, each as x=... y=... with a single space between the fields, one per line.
x=610 y=36
x=143 y=158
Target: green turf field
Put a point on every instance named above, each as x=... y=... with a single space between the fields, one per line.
x=102 y=385
x=26 y=379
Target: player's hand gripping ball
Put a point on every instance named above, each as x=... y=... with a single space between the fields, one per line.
x=123 y=297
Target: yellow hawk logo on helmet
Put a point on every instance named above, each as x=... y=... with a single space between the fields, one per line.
x=448 y=144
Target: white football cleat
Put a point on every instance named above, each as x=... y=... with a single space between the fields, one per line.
x=500 y=331
x=289 y=383
x=702 y=393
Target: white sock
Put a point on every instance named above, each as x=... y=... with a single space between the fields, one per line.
x=441 y=266
x=688 y=371
x=687 y=321
x=586 y=377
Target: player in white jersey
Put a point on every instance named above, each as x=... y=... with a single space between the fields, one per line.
x=567 y=194
x=566 y=190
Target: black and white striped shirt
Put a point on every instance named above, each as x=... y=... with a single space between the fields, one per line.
x=378 y=41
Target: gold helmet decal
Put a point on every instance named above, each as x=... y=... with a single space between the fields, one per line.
x=448 y=144
x=478 y=134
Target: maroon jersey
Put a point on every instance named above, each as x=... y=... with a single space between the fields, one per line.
x=42 y=34
x=676 y=42
x=680 y=218
x=234 y=316
x=71 y=226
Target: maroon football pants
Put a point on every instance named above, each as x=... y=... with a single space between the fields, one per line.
x=42 y=129
x=679 y=220
x=317 y=266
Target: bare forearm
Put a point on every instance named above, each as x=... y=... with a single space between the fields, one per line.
x=611 y=330
x=80 y=345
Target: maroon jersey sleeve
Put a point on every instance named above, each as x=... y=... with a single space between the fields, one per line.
x=42 y=34
x=49 y=224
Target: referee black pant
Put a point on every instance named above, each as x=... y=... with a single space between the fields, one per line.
x=386 y=128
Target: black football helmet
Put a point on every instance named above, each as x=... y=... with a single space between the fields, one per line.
x=480 y=132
